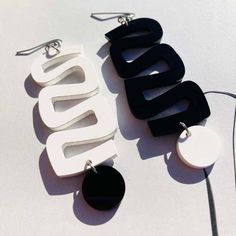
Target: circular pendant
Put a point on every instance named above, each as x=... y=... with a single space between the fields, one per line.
x=200 y=149
x=103 y=189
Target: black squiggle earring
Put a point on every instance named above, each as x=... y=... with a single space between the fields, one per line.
x=147 y=33
x=135 y=85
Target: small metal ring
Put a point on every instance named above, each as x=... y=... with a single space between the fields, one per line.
x=121 y=19
x=188 y=133
x=124 y=20
x=128 y=18
x=55 y=45
x=89 y=163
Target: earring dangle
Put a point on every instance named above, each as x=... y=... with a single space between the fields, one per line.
x=103 y=187
x=198 y=146
x=143 y=33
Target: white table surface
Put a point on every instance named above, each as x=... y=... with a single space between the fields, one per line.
x=163 y=196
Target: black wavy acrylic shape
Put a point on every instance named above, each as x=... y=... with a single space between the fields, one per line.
x=145 y=32
x=135 y=86
x=197 y=110
x=120 y=42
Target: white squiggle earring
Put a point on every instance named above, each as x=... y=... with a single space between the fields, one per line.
x=105 y=127
x=101 y=182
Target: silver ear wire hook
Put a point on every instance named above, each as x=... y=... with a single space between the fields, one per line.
x=188 y=133
x=122 y=17
x=89 y=163
x=55 y=44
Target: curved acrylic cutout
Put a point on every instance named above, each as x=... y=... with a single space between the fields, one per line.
x=120 y=43
x=104 y=129
x=40 y=65
x=134 y=87
x=197 y=110
x=51 y=94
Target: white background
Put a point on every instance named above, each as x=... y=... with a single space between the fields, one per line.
x=163 y=196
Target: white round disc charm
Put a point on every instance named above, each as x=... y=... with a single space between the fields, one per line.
x=200 y=149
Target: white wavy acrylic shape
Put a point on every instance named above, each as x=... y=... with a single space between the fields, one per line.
x=64 y=64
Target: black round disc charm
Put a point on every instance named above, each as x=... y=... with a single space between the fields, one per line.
x=105 y=189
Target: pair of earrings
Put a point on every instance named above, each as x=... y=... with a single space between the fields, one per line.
x=103 y=186
x=193 y=145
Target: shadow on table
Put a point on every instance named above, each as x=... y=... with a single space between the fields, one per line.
x=132 y=128
x=60 y=186
x=31 y=87
x=41 y=130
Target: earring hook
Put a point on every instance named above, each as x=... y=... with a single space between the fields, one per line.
x=55 y=44
x=123 y=17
